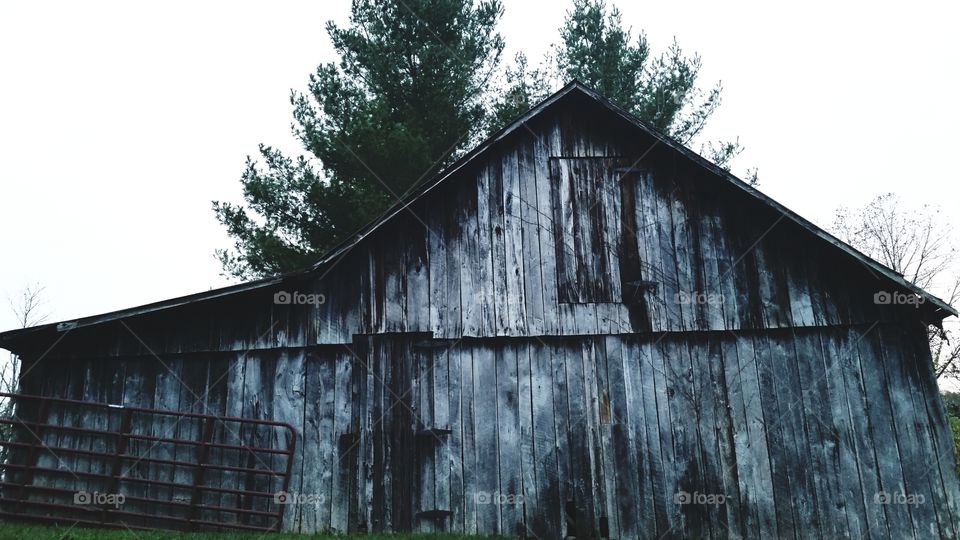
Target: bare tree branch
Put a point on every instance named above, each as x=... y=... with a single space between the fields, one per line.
x=915 y=244
x=29 y=310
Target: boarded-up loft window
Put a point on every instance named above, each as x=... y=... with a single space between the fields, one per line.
x=586 y=226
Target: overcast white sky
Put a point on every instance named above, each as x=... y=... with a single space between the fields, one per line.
x=121 y=121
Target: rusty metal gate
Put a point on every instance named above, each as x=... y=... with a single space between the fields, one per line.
x=69 y=461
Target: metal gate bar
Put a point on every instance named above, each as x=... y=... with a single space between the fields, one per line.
x=27 y=489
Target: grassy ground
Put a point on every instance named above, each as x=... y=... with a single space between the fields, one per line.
x=14 y=531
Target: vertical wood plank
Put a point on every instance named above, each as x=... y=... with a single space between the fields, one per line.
x=561 y=408
x=778 y=442
x=790 y=398
x=905 y=422
x=852 y=500
x=859 y=410
x=472 y=295
x=682 y=243
x=821 y=435
x=684 y=400
x=452 y=230
x=581 y=440
x=547 y=522
x=530 y=219
x=657 y=405
x=739 y=435
x=716 y=302
x=513 y=236
x=468 y=357
x=726 y=280
x=765 y=496
x=648 y=235
x=381 y=504
x=417 y=273
x=439 y=240
x=343 y=443
x=498 y=246
x=886 y=445
x=531 y=497
x=509 y=498
x=632 y=504
x=440 y=420
x=485 y=219
x=422 y=394
x=944 y=459
x=486 y=428
x=455 y=446
x=661 y=195
x=545 y=187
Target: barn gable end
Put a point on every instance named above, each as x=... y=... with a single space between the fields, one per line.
x=576 y=221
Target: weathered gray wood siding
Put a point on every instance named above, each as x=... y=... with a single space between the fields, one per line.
x=789 y=432
x=574 y=226
x=604 y=328
x=536 y=242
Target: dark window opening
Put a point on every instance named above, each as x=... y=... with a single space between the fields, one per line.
x=586 y=221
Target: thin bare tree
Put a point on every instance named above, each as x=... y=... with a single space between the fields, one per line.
x=915 y=243
x=28 y=307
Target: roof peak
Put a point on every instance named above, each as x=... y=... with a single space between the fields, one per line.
x=568 y=89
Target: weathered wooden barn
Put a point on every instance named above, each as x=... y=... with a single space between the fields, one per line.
x=581 y=328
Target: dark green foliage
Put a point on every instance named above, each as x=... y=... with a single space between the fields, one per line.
x=404 y=99
x=596 y=49
x=412 y=90
x=662 y=90
x=524 y=87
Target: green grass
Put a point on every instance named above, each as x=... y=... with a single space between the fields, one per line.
x=15 y=531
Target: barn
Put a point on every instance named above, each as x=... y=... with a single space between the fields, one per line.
x=579 y=329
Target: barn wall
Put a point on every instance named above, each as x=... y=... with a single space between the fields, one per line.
x=513 y=353
x=797 y=430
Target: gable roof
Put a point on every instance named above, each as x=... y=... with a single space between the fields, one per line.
x=574 y=88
